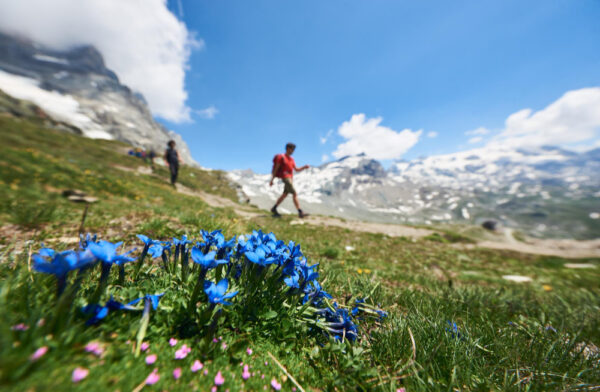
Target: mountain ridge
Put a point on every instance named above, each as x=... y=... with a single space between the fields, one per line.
x=75 y=86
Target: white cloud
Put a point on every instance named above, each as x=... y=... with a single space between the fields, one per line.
x=141 y=40
x=432 y=134
x=368 y=136
x=479 y=131
x=573 y=118
x=209 y=113
x=475 y=139
x=324 y=139
x=324 y=158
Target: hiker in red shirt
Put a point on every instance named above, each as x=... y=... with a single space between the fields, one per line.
x=283 y=167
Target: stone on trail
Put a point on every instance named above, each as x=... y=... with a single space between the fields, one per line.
x=517 y=278
x=580 y=265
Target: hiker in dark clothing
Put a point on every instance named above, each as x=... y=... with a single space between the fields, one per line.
x=172 y=160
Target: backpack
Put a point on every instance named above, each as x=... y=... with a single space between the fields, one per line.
x=277 y=158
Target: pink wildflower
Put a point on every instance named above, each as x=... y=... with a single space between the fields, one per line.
x=79 y=374
x=197 y=365
x=152 y=377
x=40 y=352
x=219 y=379
x=172 y=342
x=205 y=372
x=213 y=389
x=249 y=351
x=262 y=377
x=401 y=390
x=182 y=352
x=144 y=346
x=94 y=348
x=246 y=373
x=176 y=373
x=223 y=346
x=20 y=327
x=275 y=385
x=215 y=340
x=150 y=359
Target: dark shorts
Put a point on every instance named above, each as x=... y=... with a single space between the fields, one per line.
x=288 y=186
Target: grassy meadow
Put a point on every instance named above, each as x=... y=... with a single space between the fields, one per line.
x=452 y=322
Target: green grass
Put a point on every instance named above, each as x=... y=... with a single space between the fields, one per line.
x=505 y=341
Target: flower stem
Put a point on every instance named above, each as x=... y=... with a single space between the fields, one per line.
x=197 y=288
x=145 y=320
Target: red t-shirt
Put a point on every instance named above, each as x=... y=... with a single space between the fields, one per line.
x=286 y=166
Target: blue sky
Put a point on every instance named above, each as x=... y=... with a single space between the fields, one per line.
x=279 y=71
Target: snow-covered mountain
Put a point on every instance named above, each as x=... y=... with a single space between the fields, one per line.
x=76 y=88
x=544 y=191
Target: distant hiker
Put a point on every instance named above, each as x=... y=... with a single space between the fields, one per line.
x=283 y=167
x=151 y=156
x=172 y=160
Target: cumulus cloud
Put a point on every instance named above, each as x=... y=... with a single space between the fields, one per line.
x=324 y=158
x=479 y=131
x=571 y=119
x=364 y=135
x=209 y=113
x=475 y=139
x=324 y=139
x=141 y=40
x=432 y=134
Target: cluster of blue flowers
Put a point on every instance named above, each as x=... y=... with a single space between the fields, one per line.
x=242 y=265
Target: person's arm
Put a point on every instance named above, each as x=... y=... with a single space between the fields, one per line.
x=301 y=168
x=274 y=172
x=178 y=157
x=165 y=158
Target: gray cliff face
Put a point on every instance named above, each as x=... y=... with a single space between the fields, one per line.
x=111 y=107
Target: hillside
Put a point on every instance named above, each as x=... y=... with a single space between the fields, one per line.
x=536 y=335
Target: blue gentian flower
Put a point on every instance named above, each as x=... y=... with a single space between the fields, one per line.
x=156 y=250
x=146 y=240
x=342 y=325
x=183 y=241
x=107 y=252
x=206 y=261
x=100 y=312
x=260 y=256
x=61 y=264
x=153 y=299
x=293 y=280
x=216 y=292
x=453 y=330
x=47 y=252
x=85 y=241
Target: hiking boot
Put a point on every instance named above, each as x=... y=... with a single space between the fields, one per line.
x=302 y=214
x=275 y=213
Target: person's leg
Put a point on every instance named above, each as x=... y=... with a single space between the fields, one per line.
x=281 y=199
x=278 y=202
x=173 y=170
x=296 y=203
x=176 y=173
